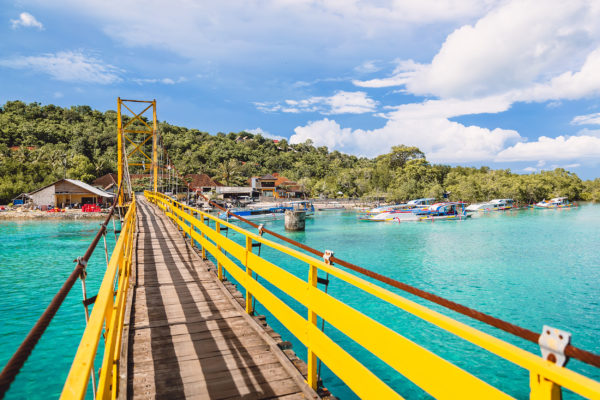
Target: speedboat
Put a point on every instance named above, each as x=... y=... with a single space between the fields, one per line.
x=401 y=212
x=444 y=211
x=557 y=202
x=492 y=205
x=255 y=213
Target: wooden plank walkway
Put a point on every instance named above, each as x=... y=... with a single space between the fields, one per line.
x=188 y=337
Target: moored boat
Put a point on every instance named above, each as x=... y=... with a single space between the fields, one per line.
x=444 y=211
x=400 y=212
x=557 y=202
x=492 y=205
x=255 y=213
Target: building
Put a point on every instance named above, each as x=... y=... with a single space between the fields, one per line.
x=69 y=192
x=202 y=183
x=276 y=186
x=107 y=182
x=234 y=192
x=265 y=185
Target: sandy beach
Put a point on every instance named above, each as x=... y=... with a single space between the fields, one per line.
x=68 y=214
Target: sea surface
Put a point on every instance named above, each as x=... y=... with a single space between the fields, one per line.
x=36 y=257
x=529 y=267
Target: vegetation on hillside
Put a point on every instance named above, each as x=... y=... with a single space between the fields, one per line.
x=40 y=144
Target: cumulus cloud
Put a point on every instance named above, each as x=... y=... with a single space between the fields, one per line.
x=561 y=148
x=26 y=20
x=425 y=125
x=527 y=50
x=68 y=66
x=340 y=103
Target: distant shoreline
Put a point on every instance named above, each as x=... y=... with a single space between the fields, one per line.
x=44 y=215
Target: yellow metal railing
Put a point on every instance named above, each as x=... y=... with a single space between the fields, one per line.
x=107 y=314
x=430 y=372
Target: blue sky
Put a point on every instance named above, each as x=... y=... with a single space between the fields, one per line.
x=509 y=84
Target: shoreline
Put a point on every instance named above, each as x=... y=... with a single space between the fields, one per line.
x=44 y=215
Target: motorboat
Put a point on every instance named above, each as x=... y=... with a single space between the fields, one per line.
x=492 y=205
x=557 y=202
x=444 y=211
x=255 y=213
x=400 y=212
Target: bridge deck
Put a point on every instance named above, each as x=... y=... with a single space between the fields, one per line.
x=188 y=337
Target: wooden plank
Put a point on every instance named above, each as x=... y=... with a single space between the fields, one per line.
x=188 y=338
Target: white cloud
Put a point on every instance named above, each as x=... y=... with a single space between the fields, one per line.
x=368 y=67
x=525 y=49
x=26 y=20
x=340 y=103
x=165 y=81
x=588 y=119
x=561 y=148
x=530 y=169
x=235 y=30
x=259 y=131
x=67 y=66
x=425 y=125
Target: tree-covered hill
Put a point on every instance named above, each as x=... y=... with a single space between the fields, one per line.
x=39 y=144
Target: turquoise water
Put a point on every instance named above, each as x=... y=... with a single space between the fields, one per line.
x=35 y=259
x=530 y=267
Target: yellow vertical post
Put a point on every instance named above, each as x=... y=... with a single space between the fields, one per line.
x=119 y=150
x=542 y=388
x=219 y=265
x=191 y=228
x=202 y=234
x=312 y=319
x=154 y=146
x=249 y=309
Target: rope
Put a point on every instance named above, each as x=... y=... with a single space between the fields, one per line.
x=16 y=362
x=526 y=334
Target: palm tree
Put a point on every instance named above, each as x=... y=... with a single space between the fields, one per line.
x=229 y=172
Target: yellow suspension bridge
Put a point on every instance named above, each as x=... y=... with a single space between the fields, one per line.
x=167 y=324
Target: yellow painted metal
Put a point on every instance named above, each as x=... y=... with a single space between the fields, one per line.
x=122 y=138
x=312 y=318
x=433 y=374
x=249 y=309
x=119 y=151
x=219 y=266
x=108 y=313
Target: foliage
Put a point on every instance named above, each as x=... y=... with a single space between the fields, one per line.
x=40 y=144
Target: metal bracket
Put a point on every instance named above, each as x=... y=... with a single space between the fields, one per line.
x=260 y=229
x=80 y=260
x=327 y=257
x=552 y=343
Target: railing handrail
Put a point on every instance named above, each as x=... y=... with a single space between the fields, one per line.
x=107 y=312
x=535 y=364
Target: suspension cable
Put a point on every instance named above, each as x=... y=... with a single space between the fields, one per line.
x=18 y=359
